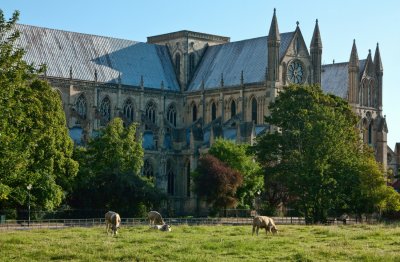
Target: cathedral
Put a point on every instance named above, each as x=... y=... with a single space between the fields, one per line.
x=185 y=89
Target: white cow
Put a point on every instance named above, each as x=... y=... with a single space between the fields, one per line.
x=155 y=218
x=164 y=227
x=264 y=222
x=113 y=220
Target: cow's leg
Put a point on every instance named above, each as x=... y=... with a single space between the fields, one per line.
x=254 y=229
x=257 y=230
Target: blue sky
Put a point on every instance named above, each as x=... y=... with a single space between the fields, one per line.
x=340 y=22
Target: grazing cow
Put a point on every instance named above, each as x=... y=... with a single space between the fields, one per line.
x=164 y=227
x=155 y=218
x=113 y=221
x=264 y=222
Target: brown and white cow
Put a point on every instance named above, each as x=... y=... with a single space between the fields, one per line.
x=155 y=218
x=264 y=222
x=113 y=220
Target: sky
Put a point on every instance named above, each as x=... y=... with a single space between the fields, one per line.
x=340 y=21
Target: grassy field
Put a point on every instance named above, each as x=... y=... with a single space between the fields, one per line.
x=204 y=243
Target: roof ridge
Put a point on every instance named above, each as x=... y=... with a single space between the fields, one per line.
x=254 y=38
x=73 y=32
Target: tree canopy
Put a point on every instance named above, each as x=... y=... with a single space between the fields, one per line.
x=35 y=147
x=216 y=182
x=316 y=156
x=109 y=175
x=238 y=157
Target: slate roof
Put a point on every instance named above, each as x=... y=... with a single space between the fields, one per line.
x=109 y=56
x=231 y=58
x=334 y=78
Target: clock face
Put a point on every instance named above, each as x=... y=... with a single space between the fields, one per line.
x=296 y=72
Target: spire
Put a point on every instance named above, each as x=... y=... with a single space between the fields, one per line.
x=316 y=54
x=354 y=55
x=369 y=66
x=316 y=38
x=274 y=30
x=377 y=60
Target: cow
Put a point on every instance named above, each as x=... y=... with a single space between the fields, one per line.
x=264 y=222
x=164 y=227
x=113 y=220
x=155 y=218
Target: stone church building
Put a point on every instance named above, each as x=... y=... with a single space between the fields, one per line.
x=186 y=88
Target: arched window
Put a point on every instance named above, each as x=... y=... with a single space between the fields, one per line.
x=81 y=106
x=191 y=64
x=171 y=114
x=171 y=179
x=365 y=93
x=105 y=111
x=371 y=93
x=254 y=110
x=129 y=113
x=233 y=108
x=188 y=179
x=151 y=111
x=213 y=111
x=194 y=112
x=296 y=45
x=148 y=169
x=178 y=65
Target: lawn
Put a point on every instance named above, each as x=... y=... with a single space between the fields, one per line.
x=204 y=243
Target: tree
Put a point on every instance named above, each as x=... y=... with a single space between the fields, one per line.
x=216 y=182
x=315 y=154
x=35 y=147
x=237 y=157
x=109 y=177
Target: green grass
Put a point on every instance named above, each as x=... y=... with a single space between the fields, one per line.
x=204 y=243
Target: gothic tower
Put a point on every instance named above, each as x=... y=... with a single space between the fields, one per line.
x=354 y=72
x=316 y=55
x=379 y=76
x=274 y=42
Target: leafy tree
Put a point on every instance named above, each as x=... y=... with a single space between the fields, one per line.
x=316 y=155
x=216 y=182
x=238 y=158
x=109 y=174
x=35 y=147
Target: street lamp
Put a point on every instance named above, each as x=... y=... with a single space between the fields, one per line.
x=29 y=187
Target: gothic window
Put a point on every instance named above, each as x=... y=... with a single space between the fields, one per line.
x=151 y=112
x=296 y=45
x=365 y=93
x=129 y=111
x=81 y=106
x=188 y=179
x=360 y=93
x=171 y=179
x=213 y=111
x=254 y=110
x=148 y=169
x=233 y=108
x=105 y=111
x=171 y=114
x=191 y=64
x=194 y=112
x=371 y=93
x=178 y=65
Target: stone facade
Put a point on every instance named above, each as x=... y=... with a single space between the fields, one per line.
x=224 y=90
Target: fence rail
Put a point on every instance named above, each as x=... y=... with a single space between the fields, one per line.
x=93 y=222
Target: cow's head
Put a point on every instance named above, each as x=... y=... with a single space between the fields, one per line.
x=166 y=227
